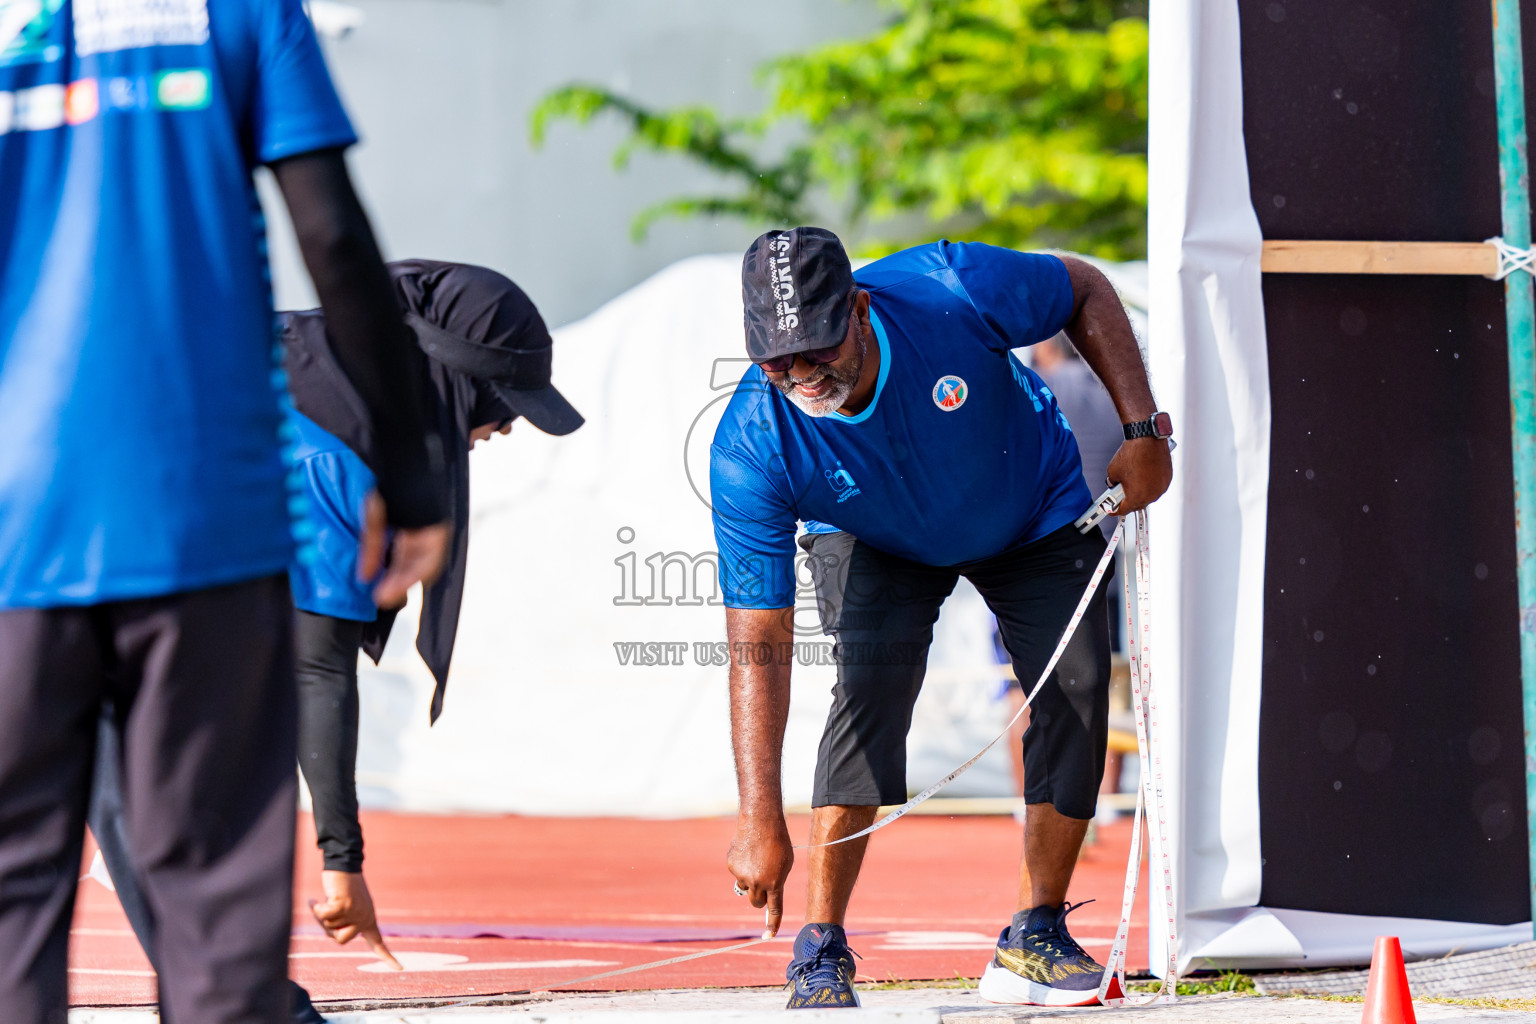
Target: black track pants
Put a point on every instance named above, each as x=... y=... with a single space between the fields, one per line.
x=202 y=683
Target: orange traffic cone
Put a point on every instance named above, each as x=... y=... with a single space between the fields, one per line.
x=1387 y=999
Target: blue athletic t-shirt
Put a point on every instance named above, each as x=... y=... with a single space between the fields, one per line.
x=137 y=398
x=961 y=454
x=336 y=483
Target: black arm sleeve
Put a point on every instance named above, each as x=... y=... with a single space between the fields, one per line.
x=367 y=334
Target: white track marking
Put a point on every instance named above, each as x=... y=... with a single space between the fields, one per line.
x=421 y=963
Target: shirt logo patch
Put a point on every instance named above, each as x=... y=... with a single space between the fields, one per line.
x=182 y=89
x=950 y=393
x=126 y=93
x=842 y=482
x=81 y=101
x=37 y=109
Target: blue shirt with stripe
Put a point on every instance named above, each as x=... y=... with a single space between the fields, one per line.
x=961 y=454
x=138 y=400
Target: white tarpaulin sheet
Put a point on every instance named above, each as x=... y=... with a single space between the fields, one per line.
x=1210 y=368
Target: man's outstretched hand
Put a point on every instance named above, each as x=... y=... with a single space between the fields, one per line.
x=417 y=555
x=760 y=858
x=1144 y=467
x=347 y=912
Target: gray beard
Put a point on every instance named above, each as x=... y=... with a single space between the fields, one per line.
x=842 y=387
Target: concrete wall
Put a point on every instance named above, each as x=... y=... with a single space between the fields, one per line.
x=441 y=90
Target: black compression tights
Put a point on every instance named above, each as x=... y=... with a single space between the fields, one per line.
x=326 y=649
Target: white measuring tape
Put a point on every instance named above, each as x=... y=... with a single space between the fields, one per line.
x=609 y=974
x=1149 y=792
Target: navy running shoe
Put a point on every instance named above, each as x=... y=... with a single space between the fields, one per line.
x=1039 y=964
x=821 y=974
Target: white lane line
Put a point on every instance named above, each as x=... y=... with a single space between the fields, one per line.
x=452 y=962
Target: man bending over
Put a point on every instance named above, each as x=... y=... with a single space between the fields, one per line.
x=887 y=415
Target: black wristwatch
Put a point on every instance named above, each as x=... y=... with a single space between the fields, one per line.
x=1159 y=426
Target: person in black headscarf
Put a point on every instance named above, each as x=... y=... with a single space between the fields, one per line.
x=489 y=356
x=488 y=362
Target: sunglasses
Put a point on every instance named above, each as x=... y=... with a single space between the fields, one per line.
x=814 y=357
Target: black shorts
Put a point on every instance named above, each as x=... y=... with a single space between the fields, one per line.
x=881 y=609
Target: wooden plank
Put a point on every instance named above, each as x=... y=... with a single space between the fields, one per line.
x=1476 y=259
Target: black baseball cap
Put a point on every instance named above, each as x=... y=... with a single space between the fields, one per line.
x=517 y=373
x=478 y=322
x=795 y=285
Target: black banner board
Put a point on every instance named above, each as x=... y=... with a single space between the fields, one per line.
x=1390 y=753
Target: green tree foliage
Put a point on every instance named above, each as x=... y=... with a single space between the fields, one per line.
x=1016 y=122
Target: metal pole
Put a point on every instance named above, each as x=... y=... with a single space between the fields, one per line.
x=1520 y=319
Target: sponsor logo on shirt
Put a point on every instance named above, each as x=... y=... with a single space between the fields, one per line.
x=950 y=393
x=104 y=26
x=24 y=31
x=38 y=109
x=783 y=284
x=127 y=93
x=842 y=482
x=186 y=89
x=53 y=106
x=81 y=101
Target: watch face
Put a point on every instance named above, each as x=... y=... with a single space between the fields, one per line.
x=1162 y=425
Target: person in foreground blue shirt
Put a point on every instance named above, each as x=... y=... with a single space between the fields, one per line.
x=886 y=414
x=144 y=519
x=489 y=360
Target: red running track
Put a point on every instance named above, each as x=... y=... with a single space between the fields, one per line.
x=567 y=897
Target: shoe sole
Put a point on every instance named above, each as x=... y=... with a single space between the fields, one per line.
x=1000 y=985
x=856 y=1005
